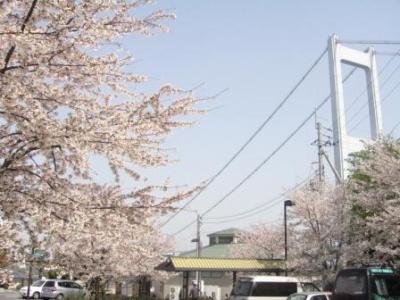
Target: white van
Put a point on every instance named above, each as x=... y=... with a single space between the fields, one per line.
x=269 y=288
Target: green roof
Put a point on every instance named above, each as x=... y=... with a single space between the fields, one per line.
x=217 y=250
x=229 y=231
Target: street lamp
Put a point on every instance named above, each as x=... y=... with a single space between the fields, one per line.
x=286 y=204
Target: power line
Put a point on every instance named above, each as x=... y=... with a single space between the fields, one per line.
x=309 y=117
x=251 y=138
x=258 y=207
x=272 y=154
x=259 y=166
x=272 y=204
x=382 y=86
x=394 y=128
x=383 y=100
x=368 y=83
x=369 y=42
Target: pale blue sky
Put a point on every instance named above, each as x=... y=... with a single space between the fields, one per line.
x=257 y=50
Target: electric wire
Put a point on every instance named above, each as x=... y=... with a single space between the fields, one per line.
x=269 y=157
x=368 y=83
x=259 y=166
x=305 y=121
x=387 y=53
x=394 y=128
x=382 y=101
x=395 y=70
x=258 y=207
x=369 y=42
x=251 y=138
x=271 y=204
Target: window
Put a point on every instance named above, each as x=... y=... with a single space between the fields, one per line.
x=38 y=283
x=74 y=285
x=62 y=284
x=242 y=288
x=225 y=240
x=386 y=286
x=309 y=287
x=274 y=289
x=297 y=297
x=318 y=297
x=351 y=283
x=49 y=284
x=65 y=284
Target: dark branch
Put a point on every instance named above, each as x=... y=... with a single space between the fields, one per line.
x=28 y=16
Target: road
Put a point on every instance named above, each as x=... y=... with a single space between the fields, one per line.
x=9 y=295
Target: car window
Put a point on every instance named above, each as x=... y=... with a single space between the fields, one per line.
x=318 y=297
x=354 y=284
x=309 y=287
x=386 y=286
x=49 y=284
x=75 y=285
x=297 y=297
x=63 y=284
x=274 y=289
x=242 y=288
x=38 y=283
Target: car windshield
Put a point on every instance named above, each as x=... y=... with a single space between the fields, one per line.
x=387 y=287
x=242 y=288
x=38 y=283
x=297 y=297
x=352 y=283
x=309 y=287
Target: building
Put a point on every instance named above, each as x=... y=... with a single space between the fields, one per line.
x=214 y=284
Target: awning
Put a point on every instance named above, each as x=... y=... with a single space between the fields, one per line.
x=179 y=264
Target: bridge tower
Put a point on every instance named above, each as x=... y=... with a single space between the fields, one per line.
x=345 y=144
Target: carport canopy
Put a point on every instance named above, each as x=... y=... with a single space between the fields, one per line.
x=234 y=265
x=184 y=264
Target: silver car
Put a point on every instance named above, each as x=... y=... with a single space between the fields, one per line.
x=35 y=290
x=60 y=289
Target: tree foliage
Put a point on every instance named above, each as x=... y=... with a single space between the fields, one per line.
x=316 y=232
x=318 y=225
x=374 y=194
x=68 y=93
x=261 y=241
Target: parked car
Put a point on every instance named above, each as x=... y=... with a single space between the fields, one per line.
x=35 y=290
x=311 y=296
x=53 y=289
x=268 y=288
x=60 y=289
x=367 y=283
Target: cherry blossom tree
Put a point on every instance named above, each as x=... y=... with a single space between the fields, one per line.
x=317 y=224
x=374 y=193
x=68 y=93
x=110 y=242
x=260 y=241
x=316 y=232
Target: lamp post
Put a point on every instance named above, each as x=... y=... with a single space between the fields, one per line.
x=286 y=204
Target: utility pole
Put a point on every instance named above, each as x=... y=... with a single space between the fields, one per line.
x=198 y=250
x=322 y=155
x=285 y=205
x=320 y=145
x=197 y=240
